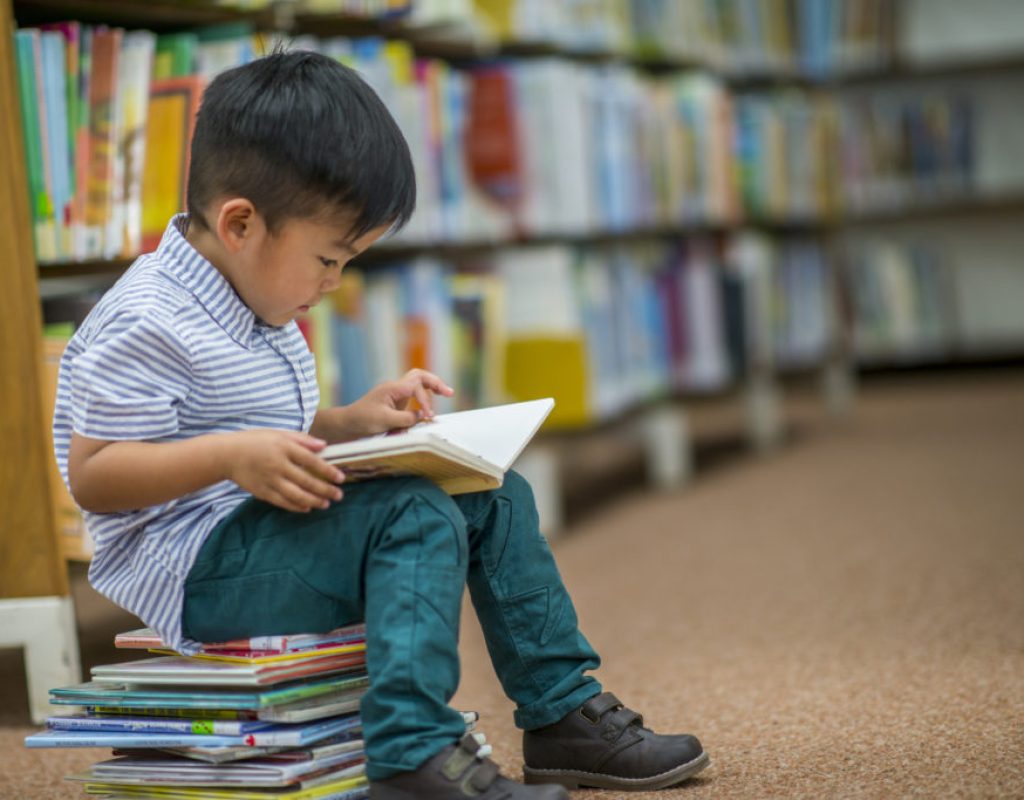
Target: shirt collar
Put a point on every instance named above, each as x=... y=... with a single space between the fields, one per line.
x=206 y=282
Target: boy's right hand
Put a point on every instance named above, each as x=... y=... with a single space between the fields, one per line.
x=282 y=468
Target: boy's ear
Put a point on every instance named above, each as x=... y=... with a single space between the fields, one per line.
x=237 y=223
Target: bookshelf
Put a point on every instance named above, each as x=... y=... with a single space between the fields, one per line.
x=763 y=397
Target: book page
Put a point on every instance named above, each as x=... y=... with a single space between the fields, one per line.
x=497 y=434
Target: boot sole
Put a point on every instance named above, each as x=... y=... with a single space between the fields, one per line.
x=575 y=779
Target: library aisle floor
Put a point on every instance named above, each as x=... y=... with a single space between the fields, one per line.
x=843 y=618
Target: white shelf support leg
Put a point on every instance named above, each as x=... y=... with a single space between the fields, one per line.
x=45 y=628
x=539 y=465
x=764 y=413
x=839 y=386
x=668 y=447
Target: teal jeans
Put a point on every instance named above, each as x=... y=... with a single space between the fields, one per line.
x=398 y=553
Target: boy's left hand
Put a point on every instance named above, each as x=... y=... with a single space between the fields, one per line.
x=385 y=406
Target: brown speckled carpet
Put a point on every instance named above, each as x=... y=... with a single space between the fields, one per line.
x=842 y=618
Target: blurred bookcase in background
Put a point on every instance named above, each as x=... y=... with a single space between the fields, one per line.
x=625 y=204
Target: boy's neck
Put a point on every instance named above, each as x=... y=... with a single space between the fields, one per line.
x=208 y=246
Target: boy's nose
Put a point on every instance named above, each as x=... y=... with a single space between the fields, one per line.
x=330 y=283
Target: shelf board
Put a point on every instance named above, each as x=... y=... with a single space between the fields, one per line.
x=454 y=44
x=1006 y=352
x=1001 y=205
x=81 y=269
x=939 y=209
x=155 y=14
x=909 y=71
x=387 y=252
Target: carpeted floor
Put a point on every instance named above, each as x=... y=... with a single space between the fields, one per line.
x=842 y=618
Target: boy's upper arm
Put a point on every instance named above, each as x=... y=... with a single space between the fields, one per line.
x=129 y=382
x=80 y=451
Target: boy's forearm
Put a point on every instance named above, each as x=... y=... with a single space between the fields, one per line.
x=124 y=476
x=334 y=425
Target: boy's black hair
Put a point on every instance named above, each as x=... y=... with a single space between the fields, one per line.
x=302 y=137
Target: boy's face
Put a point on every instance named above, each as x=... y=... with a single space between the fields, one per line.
x=281 y=276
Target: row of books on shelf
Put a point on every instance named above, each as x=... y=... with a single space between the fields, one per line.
x=518 y=148
x=741 y=36
x=598 y=329
x=502 y=150
x=899 y=149
x=258 y=718
x=903 y=300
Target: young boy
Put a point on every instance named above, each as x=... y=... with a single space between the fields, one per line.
x=187 y=428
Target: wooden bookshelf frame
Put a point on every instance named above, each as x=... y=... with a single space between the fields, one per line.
x=36 y=612
x=30 y=564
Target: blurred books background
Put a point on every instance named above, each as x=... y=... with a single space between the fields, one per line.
x=694 y=223
x=624 y=204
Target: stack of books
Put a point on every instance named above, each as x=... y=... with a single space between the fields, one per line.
x=267 y=717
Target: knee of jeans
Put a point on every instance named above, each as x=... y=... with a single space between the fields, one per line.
x=517 y=489
x=424 y=513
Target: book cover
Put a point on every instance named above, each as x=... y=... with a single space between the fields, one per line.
x=265 y=772
x=350 y=741
x=73 y=46
x=331 y=704
x=182 y=670
x=342 y=789
x=295 y=658
x=147 y=639
x=492 y=135
x=94 y=693
x=465 y=451
x=272 y=736
x=134 y=88
x=173 y=106
x=27 y=48
x=58 y=157
x=100 y=178
x=147 y=724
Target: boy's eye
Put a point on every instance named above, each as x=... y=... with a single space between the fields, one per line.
x=328 y=262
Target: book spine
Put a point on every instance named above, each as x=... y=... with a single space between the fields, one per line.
x=119 y=739
x=102 y=139
x=189 y=713
x=199 y=727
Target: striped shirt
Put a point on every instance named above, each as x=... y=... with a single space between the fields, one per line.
x=172 y=352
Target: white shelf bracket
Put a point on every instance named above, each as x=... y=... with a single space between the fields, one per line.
x=539 y=465
x=44 y=627
x=668 y=447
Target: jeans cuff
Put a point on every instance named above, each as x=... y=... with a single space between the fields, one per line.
x=535 y=716
x=379 y=770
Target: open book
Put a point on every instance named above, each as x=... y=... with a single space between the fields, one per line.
x=467 y=451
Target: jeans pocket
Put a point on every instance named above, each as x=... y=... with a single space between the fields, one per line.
x=262 y=604
x=533 y=617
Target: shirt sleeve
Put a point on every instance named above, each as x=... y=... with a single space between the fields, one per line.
x=129 y=382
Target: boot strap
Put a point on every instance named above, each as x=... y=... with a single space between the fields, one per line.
x=480 y=777
x=477 y=773
x=599 y=705
x=461 y=758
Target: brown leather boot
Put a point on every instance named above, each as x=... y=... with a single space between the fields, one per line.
x=602 y=744
x=458 y=772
